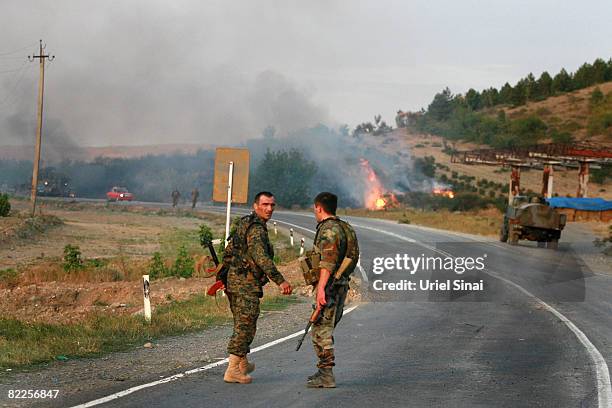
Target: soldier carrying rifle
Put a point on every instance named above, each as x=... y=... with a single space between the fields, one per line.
x=249 y=260
x=328 y=267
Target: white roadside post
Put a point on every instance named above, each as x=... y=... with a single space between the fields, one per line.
x=229 y=201
x=275 y=230
x=146 y=290
x=301 y=246
x=291 y=236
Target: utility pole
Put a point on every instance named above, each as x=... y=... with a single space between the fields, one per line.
x=41 y=87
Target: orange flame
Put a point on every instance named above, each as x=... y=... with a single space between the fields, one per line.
x=373 y=196
x=445 y=192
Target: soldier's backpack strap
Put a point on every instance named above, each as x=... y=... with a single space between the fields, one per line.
x=251 y=220
x=351 y=255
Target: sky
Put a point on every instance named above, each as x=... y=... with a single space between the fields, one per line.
x=217 y=72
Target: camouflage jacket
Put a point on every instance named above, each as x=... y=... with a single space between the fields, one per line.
x=331 y=243
x=252 y=268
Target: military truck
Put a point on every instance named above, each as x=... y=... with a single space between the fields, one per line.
x=533 y=220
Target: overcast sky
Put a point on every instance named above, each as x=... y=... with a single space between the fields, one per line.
x=139 y=72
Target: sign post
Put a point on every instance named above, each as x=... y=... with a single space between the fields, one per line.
x=231 y=180
x=229 y=201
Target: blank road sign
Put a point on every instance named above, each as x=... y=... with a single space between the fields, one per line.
x=240 y=184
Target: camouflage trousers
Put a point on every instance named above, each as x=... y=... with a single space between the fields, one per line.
x=245 y=309
x=323 y=331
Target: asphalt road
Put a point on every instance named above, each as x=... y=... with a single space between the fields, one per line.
x=538 y=335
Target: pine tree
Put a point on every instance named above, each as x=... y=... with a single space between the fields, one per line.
x=545 y=85
x=562 y=82
x=505 y=94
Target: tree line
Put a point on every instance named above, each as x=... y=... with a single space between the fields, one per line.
x=532 y=89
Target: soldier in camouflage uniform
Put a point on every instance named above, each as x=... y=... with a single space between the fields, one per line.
x=332 y=241
x=175 y=197
x=249 y=256
x=195 y=193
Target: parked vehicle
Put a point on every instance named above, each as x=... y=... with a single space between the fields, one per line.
x=532 y=220
x=119 y=194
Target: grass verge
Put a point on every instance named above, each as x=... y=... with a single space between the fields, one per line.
x=24 y=344
x=486 y=222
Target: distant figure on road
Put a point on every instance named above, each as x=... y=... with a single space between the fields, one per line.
x=249 y=256
x=194 y=197
x=175 y=197
x=336 y=249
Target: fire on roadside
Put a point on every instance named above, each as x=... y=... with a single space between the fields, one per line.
x=376 y=197
x=444 y=192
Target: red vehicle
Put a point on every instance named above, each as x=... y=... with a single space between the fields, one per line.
x=119 y=194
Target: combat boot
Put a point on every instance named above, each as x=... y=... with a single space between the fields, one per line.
x=233 y=374
x=246 y=367
x=324 y=378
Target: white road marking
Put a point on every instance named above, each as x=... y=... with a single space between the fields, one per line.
x=295 y=226
x=604 y=387
x=393 y=234
x=602 y=372
x=178 y=376
x=363 y=272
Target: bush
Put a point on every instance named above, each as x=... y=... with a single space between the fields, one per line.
x=205 y=234
x=184 y=265
x=601 y=175
x=157 y=268
x=72 y=258
x=5 y=205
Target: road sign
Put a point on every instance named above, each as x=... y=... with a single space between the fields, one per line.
x=240 y=180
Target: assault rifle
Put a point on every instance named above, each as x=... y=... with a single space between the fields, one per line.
x=317 y=312
x=314 y=318
x=220 y=271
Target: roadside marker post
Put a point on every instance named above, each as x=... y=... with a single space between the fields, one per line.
x=146 y=291
x=291 y=235
x=301 y=246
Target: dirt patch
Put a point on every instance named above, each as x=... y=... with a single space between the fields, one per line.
x=19 y=226
x=101 y=232
x=66 y=302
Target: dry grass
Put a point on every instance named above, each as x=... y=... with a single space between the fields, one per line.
x=24 y=344
x=572 y=107
x=485 y=222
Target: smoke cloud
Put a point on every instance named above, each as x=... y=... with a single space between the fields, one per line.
x=146 y=73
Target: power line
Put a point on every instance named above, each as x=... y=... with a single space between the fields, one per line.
x=13 y=92
x=17 y=50
x=14 y=70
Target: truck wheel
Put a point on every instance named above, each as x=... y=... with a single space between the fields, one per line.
x=513 y=236
x=503 y=235
x=554 y=244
